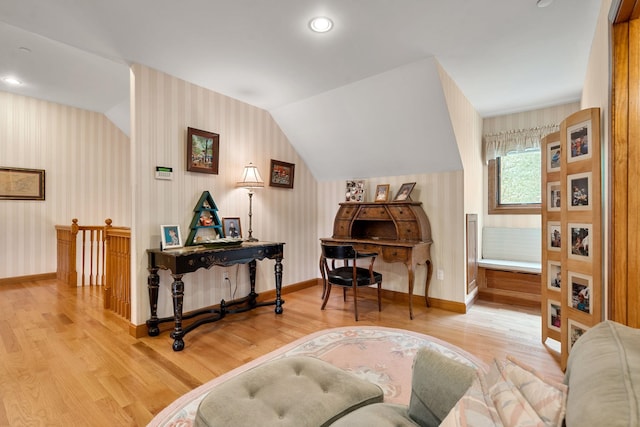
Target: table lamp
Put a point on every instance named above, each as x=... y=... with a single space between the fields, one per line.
x=251 y=179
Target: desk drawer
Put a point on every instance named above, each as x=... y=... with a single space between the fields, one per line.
x=402 y=213
x=346 y=211
x=374 y=212
x=393 y=254
x=408 y=230
x=341 y=229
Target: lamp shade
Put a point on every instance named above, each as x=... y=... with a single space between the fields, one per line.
x=250 y=177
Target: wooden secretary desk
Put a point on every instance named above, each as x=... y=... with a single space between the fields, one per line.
x=396 y=231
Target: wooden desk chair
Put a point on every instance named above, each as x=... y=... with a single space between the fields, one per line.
x=349 y=275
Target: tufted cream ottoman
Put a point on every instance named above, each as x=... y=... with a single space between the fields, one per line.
x=293 y=391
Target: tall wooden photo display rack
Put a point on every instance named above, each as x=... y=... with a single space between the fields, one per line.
x=571 y=230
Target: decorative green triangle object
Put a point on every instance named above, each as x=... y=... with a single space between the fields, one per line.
x=205 y=226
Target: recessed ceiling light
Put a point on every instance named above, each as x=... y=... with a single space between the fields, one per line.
x=544 y=3
x=321 y=24
x=12 y=81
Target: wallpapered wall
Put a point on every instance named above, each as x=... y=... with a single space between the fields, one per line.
x=516 y=121
x=86 y=162
x=162 y=108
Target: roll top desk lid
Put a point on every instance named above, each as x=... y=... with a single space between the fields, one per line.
x=391 y=221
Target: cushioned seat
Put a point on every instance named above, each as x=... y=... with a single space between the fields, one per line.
x=349 y=276
x=437 y=383
x=294 y=391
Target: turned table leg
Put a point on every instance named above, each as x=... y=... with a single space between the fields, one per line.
x=153 y=282
x=177 y=291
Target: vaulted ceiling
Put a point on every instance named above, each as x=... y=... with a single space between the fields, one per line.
x=369 y=88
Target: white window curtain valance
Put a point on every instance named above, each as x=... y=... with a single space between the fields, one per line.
x=499 y=144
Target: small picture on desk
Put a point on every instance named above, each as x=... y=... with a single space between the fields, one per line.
x=232 y=228
x=404 y=193
x=171 y=237
x=382 y=193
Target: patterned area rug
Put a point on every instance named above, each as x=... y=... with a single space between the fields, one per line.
x=383 y=356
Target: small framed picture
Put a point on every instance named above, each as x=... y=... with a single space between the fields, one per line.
x=554 y=275
x=555 y=236
x=575 y=331
x=579 y=142
x=203 y=151
x=579 y=191
x=231 y=228
x=171 y=237
x=553 y=156
x=382 y=193
x=354 y=191
x=580 y=248
x=21 y=184
x=404 y=193
x=281 y=174
x=580 y=292
x=553 y=196
x=554 y=313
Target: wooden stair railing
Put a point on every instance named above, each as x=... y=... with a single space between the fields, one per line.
x=117 y=289
x=104 y=260
x=66 y=251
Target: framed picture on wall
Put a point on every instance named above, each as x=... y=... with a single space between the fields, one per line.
x=579 y=140
x=281 y=174
x=203 y=151
x=579 y=191
x=21 y=184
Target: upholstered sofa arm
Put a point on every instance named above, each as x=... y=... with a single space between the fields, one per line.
x=289 y=392
x=603 y=375
x=438 y=382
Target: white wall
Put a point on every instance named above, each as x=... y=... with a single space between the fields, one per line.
x=467 y=125
x=442 y=199
x=86 y=163
x=596 y=94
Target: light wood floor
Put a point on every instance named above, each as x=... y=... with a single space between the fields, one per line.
x=66 y=362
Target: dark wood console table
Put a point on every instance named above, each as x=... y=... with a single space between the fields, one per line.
x=396 y=231
x=189 y=259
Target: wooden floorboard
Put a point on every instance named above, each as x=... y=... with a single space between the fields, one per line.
x=66 y=361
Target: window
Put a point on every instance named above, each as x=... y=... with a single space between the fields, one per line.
x=514 y=183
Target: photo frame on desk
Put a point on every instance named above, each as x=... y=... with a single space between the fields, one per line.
x=382 y=193
x=232 y=227
x=404 y=193
x=171 y=236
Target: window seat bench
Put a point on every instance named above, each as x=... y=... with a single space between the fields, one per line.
x=510 y=269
